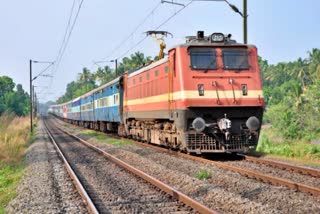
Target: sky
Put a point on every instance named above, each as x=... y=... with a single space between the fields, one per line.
x=281 y=30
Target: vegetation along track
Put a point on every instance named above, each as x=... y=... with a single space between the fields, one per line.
x=299 y=178
x=114 y=186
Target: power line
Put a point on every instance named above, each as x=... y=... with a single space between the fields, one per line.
x=135 y=29
x=163 y=23
x=45 y=69
x=68 y=38
x=173 y=15
x=67 y=28
x=132 y=47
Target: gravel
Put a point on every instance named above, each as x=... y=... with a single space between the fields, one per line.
x=112 y=188
x=226 y=191
x=277 y=172
x=46 y=186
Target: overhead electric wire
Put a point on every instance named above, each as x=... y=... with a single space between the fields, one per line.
x=66 y=38
x=132 y=47
x=163 y=23
x=67 y=28
x=66 y=41
x=45 y=69
x=130 y=35
x=173 y=15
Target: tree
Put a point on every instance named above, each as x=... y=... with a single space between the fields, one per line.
x=133 y=62
x=104 y=75
x=87 y=79
x=292 y=92
x=12 y=101
x=6 y=85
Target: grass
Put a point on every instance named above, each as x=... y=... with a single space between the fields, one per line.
x=203 y=174
x=14 y=139
x=10 y=176
x=301 y=150
x=106 y=139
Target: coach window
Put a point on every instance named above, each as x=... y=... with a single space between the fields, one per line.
x=134 y=81
x=203 y=58
x=156 y=73
x=235 y=59
x=148 y=76
x=140 y=79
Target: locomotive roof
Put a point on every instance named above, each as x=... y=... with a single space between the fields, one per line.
x=148 y=67
x=212 y=45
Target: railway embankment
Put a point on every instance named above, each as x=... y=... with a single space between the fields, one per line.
x=45 y=186
x=226 y=191
x=14 y=139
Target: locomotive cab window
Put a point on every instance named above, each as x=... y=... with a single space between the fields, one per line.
x=203 y=58
x=235 y=59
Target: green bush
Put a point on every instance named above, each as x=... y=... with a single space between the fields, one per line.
x=203 y=174
x=288 y=149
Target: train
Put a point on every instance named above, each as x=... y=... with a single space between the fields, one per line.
x=204 y=96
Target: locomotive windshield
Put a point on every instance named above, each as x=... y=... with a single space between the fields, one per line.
x=235 y=59
x=203 y=58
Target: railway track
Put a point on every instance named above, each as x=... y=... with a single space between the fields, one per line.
x=314 y=190
x=107 y=184
x=255 y=173
x=302 y=184
x=281 y=165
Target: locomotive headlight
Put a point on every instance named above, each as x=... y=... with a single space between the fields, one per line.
x=217 y=37
x=253 y=123
x=199 y=124
x=201 y=89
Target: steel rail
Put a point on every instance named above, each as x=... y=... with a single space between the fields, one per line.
x=249 y=173
x=166 y=188
x=84 y=195
x=304 y=170
x=267 y=178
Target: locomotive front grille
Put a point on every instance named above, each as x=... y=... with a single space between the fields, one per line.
x=202 y=143
x=240 y=142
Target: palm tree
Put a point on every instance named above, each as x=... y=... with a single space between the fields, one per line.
x=104 y=75
x=86 y=78
x=314 y=63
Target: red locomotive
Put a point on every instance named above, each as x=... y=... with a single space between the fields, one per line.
x=204 y=97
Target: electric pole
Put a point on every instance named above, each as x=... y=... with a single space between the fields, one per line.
x=245 y=26
x=31 y=128
x=32 y=95
x=116 y=65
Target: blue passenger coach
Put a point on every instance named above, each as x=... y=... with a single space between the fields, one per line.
x=87 y=107
x=107 y=102
x=69 y=110
x=76 y=113
x=99 y=109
